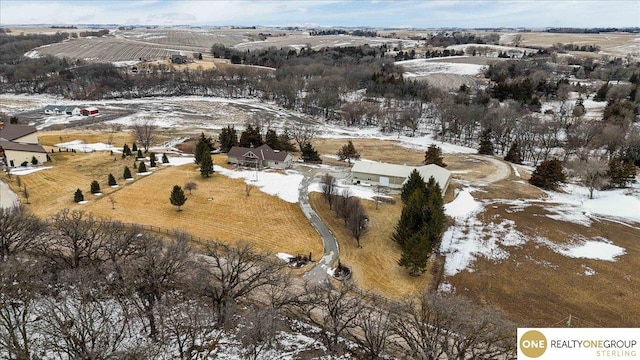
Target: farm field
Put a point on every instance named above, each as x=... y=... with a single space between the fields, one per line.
x=613 y=44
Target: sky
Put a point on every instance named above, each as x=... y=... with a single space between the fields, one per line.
x=328 y=13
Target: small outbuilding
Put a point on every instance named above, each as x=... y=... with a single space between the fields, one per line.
x=394 y=175
x=89 y=111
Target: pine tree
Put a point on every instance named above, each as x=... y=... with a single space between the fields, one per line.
x=139 y=155
x=228 y=138
x=486 y=146
x=433 y=155
x=271 y=139
x=206 y=166
x=126 y=151
x=309 y=154
x=112 y=180
x=601 y=94
x=415 y=253
x=415 y=181
x=548 y=175
x=202 y=149
x=621 y=172
x=165 y=159
x=34 y=160
x=142 y=168
x=127 y=173
x=251 y=137
x=152 y=160
x=412 y=219
x=95 y=187
x=348 y=152
x=78 y=196
x=513 y=155
x=134 y=147
x=177 y=197
x=284 y=141
x=436 y=218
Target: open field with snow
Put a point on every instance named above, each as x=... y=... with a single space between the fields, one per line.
x=613 y=44
x=536 y=255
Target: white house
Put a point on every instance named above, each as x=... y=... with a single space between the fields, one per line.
x=19 y=143
x=61 y=110
x=394 y=176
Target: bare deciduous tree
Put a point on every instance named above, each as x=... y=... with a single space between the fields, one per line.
x=357 y=220
x=334 y=309
x=227 y=274
x=144 y=133
x=303 y=134
x=19 y=230
x=374 y=328
x=190 y=186
x=75 y=238
x=328 y=188
x=592 y=174
x=259 y=331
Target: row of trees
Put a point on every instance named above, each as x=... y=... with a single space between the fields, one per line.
x=82 y=287
x=346 y=207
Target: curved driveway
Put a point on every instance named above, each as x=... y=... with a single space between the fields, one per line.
x=329 y=242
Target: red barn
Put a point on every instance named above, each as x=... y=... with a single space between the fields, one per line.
x=89 y=111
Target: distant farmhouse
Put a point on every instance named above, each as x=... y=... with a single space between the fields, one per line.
x=70 y=110
x=394 y=176
x=178 y=59
x=19 y=143
x=261 y=157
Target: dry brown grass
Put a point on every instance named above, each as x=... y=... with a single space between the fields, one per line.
x=219 y=209
x=118 y=139
x=370 y=149
x=375 y=265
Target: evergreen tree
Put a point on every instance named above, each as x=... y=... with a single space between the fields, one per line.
x=95 y=187
x=206 y=166
x=177 y=198
x=548 y=175
x=415 y=181
x=514 y=155
x=142 y=168
x=165 y=159
x=486 y=146
x=271 y=138
x=127 y=173
x=139 y=155
x=433 y=155
x=309 y=154
x=621 y=172
x=284 y=141
x=412 y=219
x=601 y=94
x=112 y=180
x=228 y=138
x=202 y=149
x=436 y=218
x=152 y=159
x=34 y=160
x=415 y=254
x=348 y=151
x=134 y=147
x=78 y=196
x=251 y=137
x=126 y=151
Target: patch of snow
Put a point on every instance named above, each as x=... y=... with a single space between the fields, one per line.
x=33 y=54
x=422 y=67
x=273 y=183
x=284 y=256
x=462 y=206
x=600 y=249
x=588 y=271
x=97 y=194
x=24 y=170
x=144 y=173
x=180 y=160
x=515 y=170
x=83 y=202
x=79 y=145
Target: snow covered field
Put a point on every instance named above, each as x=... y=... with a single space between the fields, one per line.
x=421 y=67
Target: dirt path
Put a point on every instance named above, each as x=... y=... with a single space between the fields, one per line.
x=503 y=171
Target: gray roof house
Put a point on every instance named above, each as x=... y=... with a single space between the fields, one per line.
x=394 y=176
x=61 y=110
x=261 y=157
x=19 y=143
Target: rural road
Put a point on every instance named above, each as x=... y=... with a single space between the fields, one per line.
x=503 y=171
x=329 y=242
x=8 y=198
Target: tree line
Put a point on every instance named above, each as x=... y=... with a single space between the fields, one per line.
x=83 y=287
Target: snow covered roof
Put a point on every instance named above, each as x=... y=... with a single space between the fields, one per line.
x=440 y=174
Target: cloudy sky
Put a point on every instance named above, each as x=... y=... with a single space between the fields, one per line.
x=376 y=13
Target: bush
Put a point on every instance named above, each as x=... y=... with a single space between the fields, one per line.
x=142 y=167
x=34 y=160
x=548 y=175
x=112 y=180
x=127 y=173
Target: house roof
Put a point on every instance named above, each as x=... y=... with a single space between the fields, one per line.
x=60 y=107
x=261 y=153
x=11 y=132
x=440 y=174
x=10 y=145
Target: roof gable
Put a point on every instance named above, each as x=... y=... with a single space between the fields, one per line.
x=12 y=132
x=261 y=153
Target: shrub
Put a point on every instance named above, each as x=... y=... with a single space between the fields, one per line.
x=142 y=167
x=127 y=173
x=112 y=180
x=78 y=196
x=95 y=187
